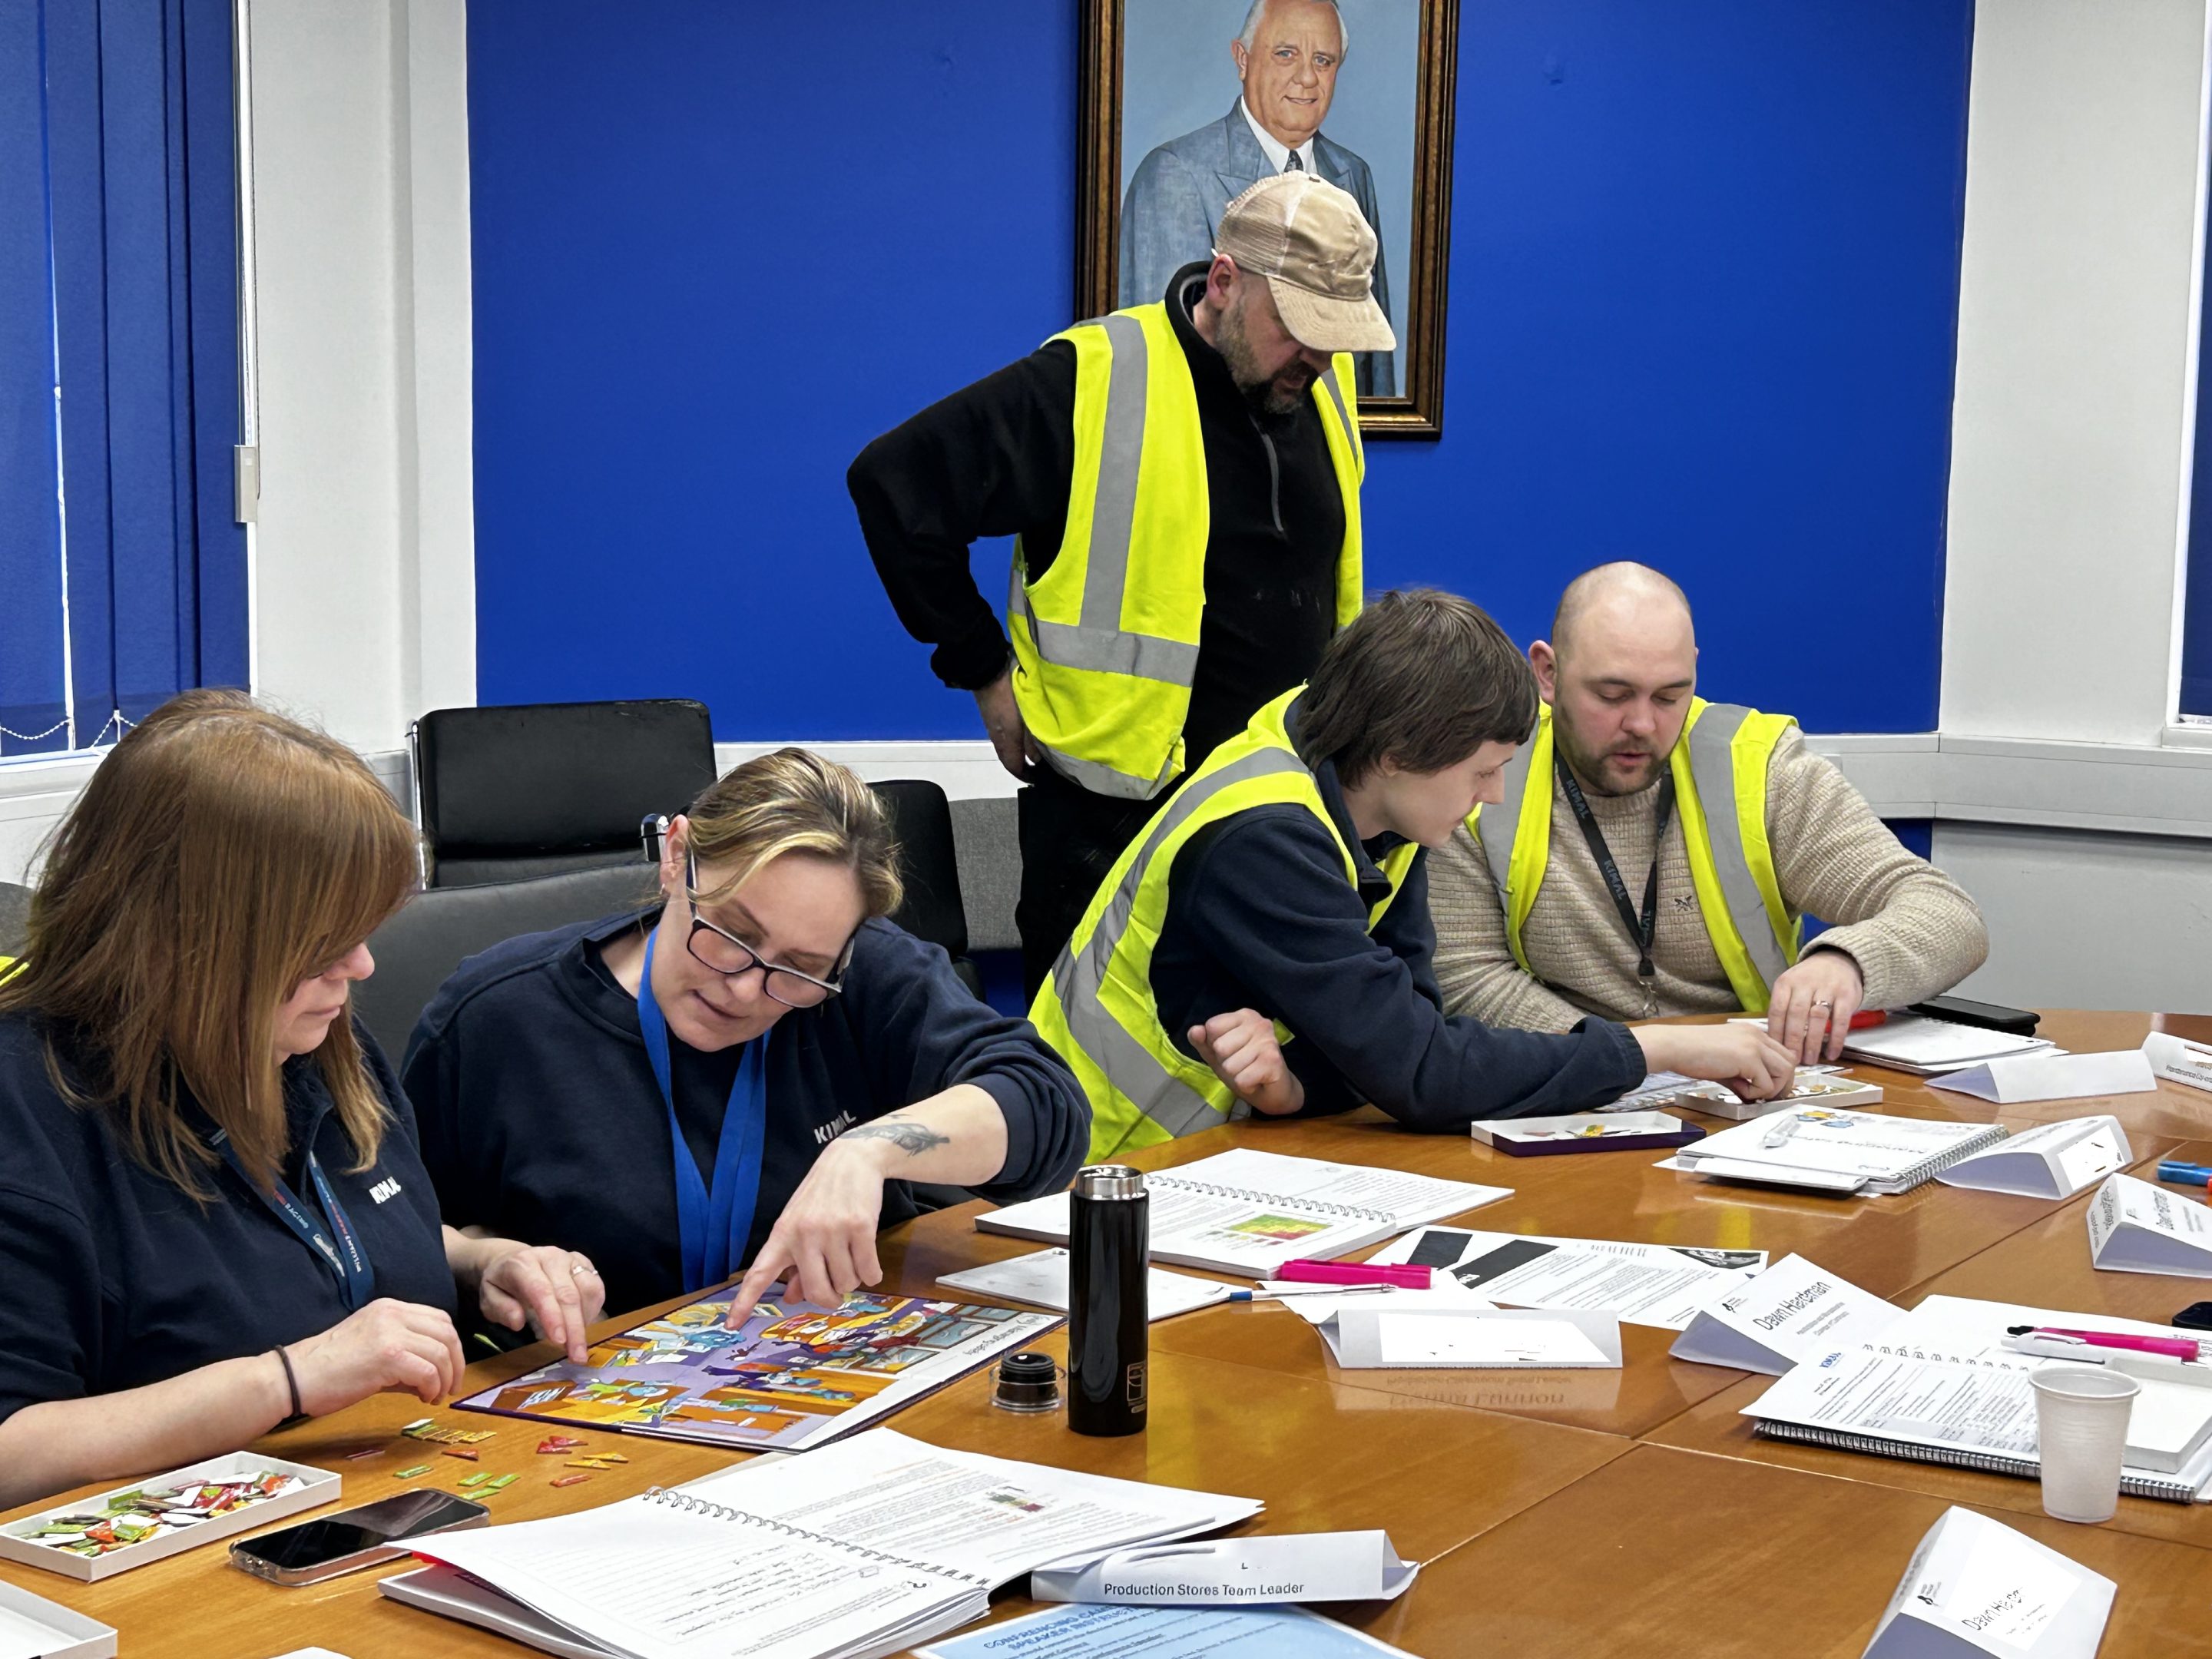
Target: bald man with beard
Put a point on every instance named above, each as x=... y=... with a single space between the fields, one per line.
x=1617 y=878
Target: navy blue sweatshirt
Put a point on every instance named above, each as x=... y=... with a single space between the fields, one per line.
x=1260 y=916
x=112 y=1278
x=541 y=1119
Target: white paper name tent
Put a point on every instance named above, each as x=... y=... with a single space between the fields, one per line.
x=1929 y=1047
x=1793 y=1312
x=1039 y=1279
x=2025 y=1079
x=1247 y=1211
x=2053 y=1160
x=1275 y=1567
x=1977 y=1587
x=1658 y=1284
x=1837 y=1150
x=1103 y=1633
x=2138 y=1228
x=1380 y=1335
x=2179 y=1060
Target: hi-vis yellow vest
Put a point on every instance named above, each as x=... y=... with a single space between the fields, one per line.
x=1106 y=641
x=1721 y=757
x=1096 y=1007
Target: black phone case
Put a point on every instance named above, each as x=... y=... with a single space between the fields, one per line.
x=1990 y=1017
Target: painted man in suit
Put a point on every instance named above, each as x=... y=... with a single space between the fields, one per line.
x=1287 y=57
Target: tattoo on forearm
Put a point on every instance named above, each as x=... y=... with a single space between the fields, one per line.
x=910 y=1137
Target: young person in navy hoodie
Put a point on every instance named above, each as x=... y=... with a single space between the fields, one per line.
x=742 y=1075
x=212 y=1214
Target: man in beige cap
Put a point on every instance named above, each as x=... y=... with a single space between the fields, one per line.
x=1183 y=479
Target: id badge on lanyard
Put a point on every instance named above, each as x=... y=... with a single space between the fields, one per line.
x=336 y=1243
x=713 y=1225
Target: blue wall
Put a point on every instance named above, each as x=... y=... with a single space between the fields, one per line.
x=1702 y=308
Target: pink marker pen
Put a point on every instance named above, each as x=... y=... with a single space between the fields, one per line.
x=2173 y=1348
x=1355 y=1272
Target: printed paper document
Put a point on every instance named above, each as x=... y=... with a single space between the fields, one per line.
x=1660 y=1284
x=1793 y=1312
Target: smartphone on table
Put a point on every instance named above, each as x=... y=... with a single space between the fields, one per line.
x=352 y=1539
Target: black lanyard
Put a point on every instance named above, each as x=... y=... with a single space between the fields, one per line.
x=1641 y=930
x=340 y=1248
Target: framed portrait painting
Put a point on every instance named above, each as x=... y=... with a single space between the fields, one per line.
x=1186 y=103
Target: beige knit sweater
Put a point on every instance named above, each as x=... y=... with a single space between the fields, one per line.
x=1911 y=928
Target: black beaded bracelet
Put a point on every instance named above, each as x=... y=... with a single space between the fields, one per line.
x=291 y=1382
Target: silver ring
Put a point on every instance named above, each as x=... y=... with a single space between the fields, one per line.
x=1823 y=1002
x=586 y=1268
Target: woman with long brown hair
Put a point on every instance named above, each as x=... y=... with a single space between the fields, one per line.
x=213 y=1217
x=748 y=1071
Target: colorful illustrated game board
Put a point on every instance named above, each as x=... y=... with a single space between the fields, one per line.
x=793 y=1375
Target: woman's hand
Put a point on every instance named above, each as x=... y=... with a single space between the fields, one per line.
x=557 y=1293
x=400 y=1346
x=1242 y=1050
x=825 y=1239
x=1743 y=1057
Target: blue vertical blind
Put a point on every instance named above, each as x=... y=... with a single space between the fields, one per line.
x=2196 y=687
x=122 y=572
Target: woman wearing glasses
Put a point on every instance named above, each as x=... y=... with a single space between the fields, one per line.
x=744 y=1075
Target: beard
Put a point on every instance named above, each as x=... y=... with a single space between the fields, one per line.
x=1279 y=393
x=1593 y=770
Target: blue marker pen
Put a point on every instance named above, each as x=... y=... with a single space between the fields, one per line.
x=2184 y=1175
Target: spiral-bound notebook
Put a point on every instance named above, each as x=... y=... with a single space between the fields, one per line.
x=862 y=1548
x=1247 y=1211
x=1964 y=1407
x=1837 y=1150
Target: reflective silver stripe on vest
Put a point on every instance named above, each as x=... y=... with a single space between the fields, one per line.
x=1336 y=397
x=1713 y=766
x=1096 y=641
x=1077 y=979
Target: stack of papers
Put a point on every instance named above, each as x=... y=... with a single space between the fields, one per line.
x=1929 y=1047
x=1660 y=1284
x=1247 y=1211
x=789 y=1556
x=1081 y=1632
x=1940 y=1385
x=1837 y=1151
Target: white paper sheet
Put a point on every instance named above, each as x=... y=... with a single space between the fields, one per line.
x=1039 y=1279
x=992 y=1517
x=1096 y=1633
x=1438 y=1339
x=1657 y=1285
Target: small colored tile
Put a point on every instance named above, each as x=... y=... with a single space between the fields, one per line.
x=409 y=1474
x=502 y=1483
x=570 y=1479
x=468 y=1452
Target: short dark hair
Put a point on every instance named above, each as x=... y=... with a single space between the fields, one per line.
x=1420 y=678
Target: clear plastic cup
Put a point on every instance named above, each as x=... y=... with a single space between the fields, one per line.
x=2082 y=1430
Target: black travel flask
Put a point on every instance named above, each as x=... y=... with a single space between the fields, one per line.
x=1108 y=1244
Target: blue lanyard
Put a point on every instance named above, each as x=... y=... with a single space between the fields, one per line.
x=711 y=1226
x=340 y=1246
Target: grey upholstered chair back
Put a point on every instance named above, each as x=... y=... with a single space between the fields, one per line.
x=440 y=928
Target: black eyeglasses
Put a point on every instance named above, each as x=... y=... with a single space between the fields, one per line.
x=730 y=956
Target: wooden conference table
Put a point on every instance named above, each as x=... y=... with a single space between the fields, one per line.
x=1557 y=1514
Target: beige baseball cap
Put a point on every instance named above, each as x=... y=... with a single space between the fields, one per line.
x=1313 y=245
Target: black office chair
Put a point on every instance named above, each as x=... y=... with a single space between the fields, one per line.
x=439 y=928
x=535 y=789
x=921 y=819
